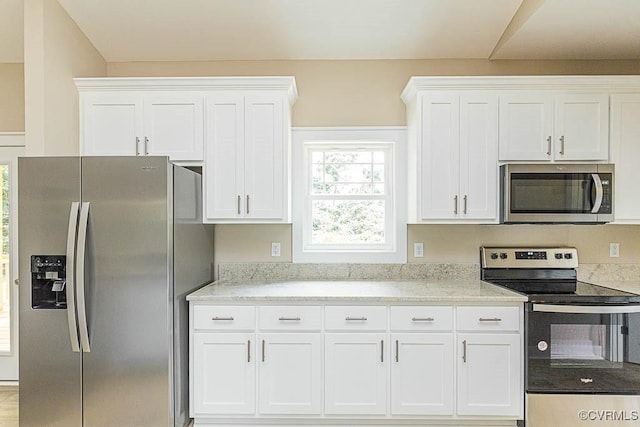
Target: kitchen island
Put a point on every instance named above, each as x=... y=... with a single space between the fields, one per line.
x=344 y=353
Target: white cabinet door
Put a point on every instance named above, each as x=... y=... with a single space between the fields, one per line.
x=625 y=154
x=264 y=156
x=223 y=373
x=224 y=163
x=478 y=156
x=526 y=126
x=440 y=153
x=355 y=373
x=111 y=124
x=174 y=126
x=290 y=373
x=489 y=374
x=422 y=378
x=581 y=127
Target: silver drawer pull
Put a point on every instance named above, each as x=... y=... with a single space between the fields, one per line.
x=293 y=319
x=490 y=319
x=355 y=318
x=222 y=318
x=422 y=319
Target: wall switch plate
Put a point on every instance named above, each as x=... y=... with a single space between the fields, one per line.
x=418 y=250
x=275 y=248
x=614 y=250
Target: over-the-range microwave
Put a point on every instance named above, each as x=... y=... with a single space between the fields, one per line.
x=556 y=193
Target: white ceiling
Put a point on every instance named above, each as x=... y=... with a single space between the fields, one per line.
x=179 y=30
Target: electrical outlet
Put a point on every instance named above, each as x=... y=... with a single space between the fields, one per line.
x=418 y=250
x=275 y=248
x=614 y=250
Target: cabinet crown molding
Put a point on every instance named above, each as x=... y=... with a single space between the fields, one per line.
x=593 y=84
x=264 y=83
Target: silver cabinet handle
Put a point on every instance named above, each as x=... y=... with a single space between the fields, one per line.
x=137 y=146
x=249 y=351
x=247 y=204
x=455 y=205
x=70 y=287
x=222 y=318
x=464 y=351
x=146 y=146
x=382 y=351
x=464 y=211
x=239 y=199
x=397 y=351
x=263 y=350
x=422 y=319
x=562 y=145
x=549 y=145
x=490 y=319
x=293 y=319
x=355 y=318
x=80 y=272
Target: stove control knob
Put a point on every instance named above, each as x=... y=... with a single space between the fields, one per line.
x=568 y=255
x=494 y=256
x=558 y=256
x=503 y=255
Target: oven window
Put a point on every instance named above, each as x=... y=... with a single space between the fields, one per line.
x=551 y=193
x=583 y=353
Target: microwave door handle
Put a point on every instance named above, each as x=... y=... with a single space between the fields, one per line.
x=599 y=193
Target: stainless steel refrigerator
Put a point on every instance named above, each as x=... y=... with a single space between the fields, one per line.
x=109 y=247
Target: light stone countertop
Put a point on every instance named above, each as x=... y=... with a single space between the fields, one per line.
x=387 y=291
x=632 y=286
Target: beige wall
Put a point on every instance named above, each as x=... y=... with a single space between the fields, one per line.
x=362 y=93
x=11 y=98
x=56 y=51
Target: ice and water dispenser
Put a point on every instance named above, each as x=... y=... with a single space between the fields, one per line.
x=48 y=280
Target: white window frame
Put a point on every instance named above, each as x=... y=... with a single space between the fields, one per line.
x=393 y=140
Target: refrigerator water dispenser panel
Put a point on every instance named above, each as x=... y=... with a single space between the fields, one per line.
x=48 y=281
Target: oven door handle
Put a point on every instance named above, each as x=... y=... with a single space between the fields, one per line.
x=599 y=193
x=586 y=309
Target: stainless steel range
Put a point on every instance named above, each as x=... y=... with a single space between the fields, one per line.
x=582 y=355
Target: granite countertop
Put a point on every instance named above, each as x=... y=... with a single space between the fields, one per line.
x=632 y=286
x=387 y=291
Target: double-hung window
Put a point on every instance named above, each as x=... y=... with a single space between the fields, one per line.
x=346 y=196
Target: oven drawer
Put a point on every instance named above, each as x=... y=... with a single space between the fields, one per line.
x=483 y=319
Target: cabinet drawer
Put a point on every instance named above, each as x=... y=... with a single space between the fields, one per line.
x=220 y=317
x=488 y=319
x=290 y=318
x=355 y=318
x=420 y=318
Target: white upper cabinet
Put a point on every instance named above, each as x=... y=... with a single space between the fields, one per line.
x=549 y=126
x=455 y=149
x=625 y=153
x=129 y=122
x=246 y=169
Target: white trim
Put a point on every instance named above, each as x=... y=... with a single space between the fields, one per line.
x=397 y=251
x=565 y=84
x=112 y=84
x=12 y=139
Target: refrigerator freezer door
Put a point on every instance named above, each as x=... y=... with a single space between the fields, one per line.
x=50 y=382
x=127 y=378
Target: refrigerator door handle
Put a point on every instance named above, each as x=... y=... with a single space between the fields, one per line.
x=82 y=245
x=70 y=286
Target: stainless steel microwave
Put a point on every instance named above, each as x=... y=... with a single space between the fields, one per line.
x=556 y=193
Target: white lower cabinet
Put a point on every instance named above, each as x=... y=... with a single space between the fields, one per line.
x=489 y=374
x=224 y=373
x=290 y=373
x=422 y=375
x=331 y=365
x=355 y=373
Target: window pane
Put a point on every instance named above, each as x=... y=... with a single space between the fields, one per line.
x=348 y=172
x=347 y=157
x=5 y=286
x=317 y=156
x=348 y=222
x=378 y=157
x=344 y=189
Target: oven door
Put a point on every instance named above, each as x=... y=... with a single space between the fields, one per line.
x=557 y=193
x=574 y=349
